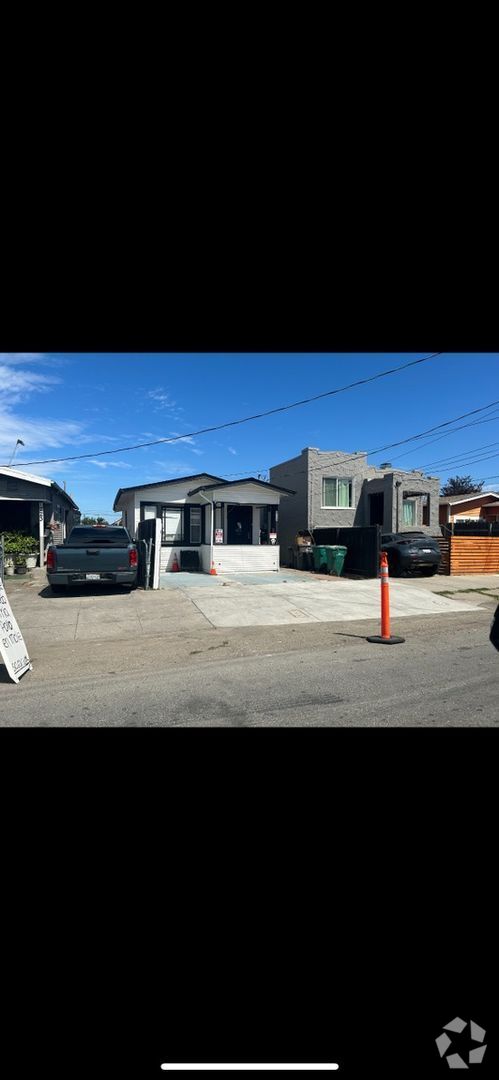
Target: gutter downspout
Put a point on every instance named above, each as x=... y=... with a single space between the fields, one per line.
x=210 y=503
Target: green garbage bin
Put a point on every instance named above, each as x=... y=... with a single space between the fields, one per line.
x=336 y=555
x=320 y=558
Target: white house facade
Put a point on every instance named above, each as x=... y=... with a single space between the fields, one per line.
x=208 y=522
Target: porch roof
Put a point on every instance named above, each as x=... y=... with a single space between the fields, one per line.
x=239 y=483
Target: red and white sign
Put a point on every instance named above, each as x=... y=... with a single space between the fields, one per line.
x=273 y=538
x=219 y=536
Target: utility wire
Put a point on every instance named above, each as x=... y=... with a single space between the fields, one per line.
x=244 y=420
x=389 y=446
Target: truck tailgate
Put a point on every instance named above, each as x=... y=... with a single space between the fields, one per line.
x=91 y=560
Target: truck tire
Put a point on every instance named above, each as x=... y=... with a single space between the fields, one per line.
x=429 y=571
x=57 y=589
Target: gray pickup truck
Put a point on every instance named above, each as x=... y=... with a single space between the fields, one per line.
x=93 y=554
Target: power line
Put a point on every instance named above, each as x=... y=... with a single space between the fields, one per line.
x=446 y=434
x=244 y=420
x=389 y=446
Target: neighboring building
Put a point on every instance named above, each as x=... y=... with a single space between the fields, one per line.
x=469 y=507
x=35 y=505
x=233 y=523
x=335 y=488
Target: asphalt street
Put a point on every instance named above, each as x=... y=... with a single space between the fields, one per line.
x=446 y=674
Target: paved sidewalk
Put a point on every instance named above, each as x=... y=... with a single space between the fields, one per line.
x=198 y=602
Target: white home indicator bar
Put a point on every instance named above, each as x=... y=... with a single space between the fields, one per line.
x=250 y=1068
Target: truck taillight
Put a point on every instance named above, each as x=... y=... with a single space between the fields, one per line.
x=133 y=557
x=50 y=559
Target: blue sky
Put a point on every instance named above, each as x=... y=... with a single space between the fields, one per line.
x=85 y=403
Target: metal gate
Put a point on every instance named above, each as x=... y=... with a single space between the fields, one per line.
x=362 y=544
x=146 y=547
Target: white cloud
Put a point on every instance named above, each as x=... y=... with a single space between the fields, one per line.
x=111 y=464
x=38 y=436
x=194 y=451
x=21 y=358
x=176 y=468
x=162 y=397
x=16 y=384
x=231 y=450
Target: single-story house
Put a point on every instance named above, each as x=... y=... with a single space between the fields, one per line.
x=338 y=489
x=35 y=505
x=233 y=524
x=454 y=508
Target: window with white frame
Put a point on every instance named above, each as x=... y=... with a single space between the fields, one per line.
x=171 y=525
x=337 y=492
x=195 y=525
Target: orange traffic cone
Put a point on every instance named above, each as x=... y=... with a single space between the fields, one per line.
x=213 y=571
x=385 y=638
x=175 y=566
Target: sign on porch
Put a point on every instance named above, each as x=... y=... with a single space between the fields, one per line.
x=219 y=536
x=12 y=645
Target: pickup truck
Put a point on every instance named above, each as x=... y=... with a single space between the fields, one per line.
x=93 y=554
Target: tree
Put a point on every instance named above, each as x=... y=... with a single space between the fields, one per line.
x=88 y=521
x=461 y=485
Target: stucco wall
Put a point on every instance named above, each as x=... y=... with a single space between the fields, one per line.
x=293 y=510
x=305 y=511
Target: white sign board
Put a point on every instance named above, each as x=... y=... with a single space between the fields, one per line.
x=219 y=536
x=12 y=645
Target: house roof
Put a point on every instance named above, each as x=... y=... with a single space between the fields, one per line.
x=162 y=483
x=17 y=474
x=446 y=499
x=64 y=494
x=238 y=483
x=31 y=478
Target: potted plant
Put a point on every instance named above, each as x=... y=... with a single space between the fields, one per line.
x=20 y=561
x=30 y=550
x=19 y=552
x=10 y=549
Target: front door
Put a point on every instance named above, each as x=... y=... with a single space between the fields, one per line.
x=239 y=524
x=376 y=509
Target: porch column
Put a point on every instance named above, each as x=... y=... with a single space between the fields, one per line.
x=256 y=525
x=41 y=532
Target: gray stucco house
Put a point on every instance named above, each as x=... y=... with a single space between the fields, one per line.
x=334 y=488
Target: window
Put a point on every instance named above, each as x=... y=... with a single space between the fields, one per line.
x=409 y=512
x=172 y=525
x=195 y=524
x=337 y=492
x=182 y=525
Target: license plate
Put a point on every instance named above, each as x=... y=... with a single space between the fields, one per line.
x=426 y=551
x=92 y=577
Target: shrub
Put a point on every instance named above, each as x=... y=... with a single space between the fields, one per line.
x=18 y=543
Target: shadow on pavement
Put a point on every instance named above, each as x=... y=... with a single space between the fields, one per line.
x=81 y=591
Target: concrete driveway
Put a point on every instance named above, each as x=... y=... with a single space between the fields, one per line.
x=294 y=596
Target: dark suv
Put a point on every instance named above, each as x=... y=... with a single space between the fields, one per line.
x=411 y=551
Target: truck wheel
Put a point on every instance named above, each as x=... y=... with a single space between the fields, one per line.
x=429 y=571
x=58 y=588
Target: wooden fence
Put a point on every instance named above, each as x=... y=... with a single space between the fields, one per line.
x=474 y=555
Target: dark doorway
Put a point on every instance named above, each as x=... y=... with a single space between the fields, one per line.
x=239 y=524
x=376 y=509
x=15 y=516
